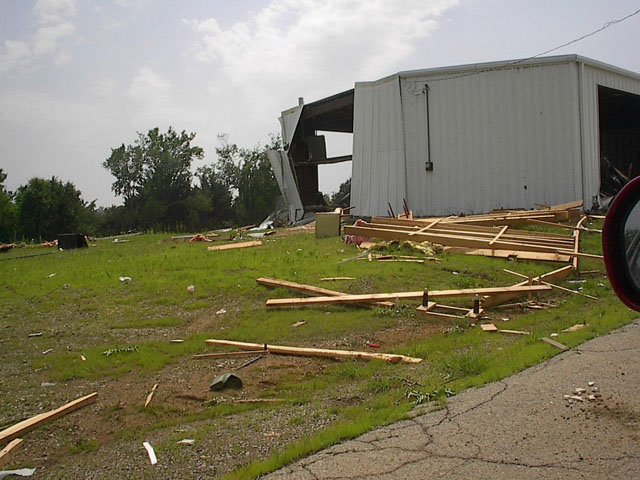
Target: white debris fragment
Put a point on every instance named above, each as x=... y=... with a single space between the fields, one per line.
x=51 y=275
x=23 y=472
x=186 y=441
x=579 y=390
x=125 y=279
x=222 y=311
x=591 y=384
x=591 y=398
x=573 y=397
x=150 y=452
x=191 y=288
x=553 y=335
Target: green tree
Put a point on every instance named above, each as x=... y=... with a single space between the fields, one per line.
x=7 y=212
x=342 y=196
x=154 y=177
x=211 y=201
x=248 y=173
x=48 y=207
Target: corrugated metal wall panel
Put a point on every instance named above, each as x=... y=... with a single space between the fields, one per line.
x=492 y=134
x=592 y=77
x=378 y=151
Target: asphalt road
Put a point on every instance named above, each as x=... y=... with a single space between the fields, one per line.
x=519 y=428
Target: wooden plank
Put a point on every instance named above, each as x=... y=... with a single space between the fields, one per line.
x=512 y=332
x=488 y=327
x=29 y=424
x=229 y=354
x=567 y=206
x=469 y=292
x=576 y=247
x=435 y=222
x=545 y=257
x=333 y=279
x=317 y=352
x=572 y=253
x=150 y=396
x=232 y=246
x=559 y=345
x=568 y=290
x=6 y=454
x=502 y=230
x=308 y=289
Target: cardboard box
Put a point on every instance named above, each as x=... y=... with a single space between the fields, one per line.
x=327 y=225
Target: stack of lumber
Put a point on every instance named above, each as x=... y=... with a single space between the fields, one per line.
x=505 y=240
x=490 y=235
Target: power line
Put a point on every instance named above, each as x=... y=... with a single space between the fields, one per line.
x=516 y=62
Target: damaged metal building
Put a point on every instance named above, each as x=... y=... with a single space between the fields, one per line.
x=471 y=138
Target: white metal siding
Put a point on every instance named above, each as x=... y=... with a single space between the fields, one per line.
x=594 y=76
x=378 y=175
x=492 y=134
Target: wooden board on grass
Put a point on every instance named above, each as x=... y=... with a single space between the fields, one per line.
x=231 y=246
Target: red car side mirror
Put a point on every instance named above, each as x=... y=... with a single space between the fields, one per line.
x=621 y=244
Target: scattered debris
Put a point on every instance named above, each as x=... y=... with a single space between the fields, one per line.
x=186 y=441
x=591 y=384
x=574 y=328
x=176 y=340
x=150 y=396
x=7 y=452
x=228 y=354
x=222 y=311
x=298 y=324
x=125 y=279
x=113 y=351
x=150 y=452
x=18 y=429
x=230 y=246
x=38 y=334
x=333 y=279
x=559 y=345
x=317 y=352
x=83 y=358
x=249 y=362
x=226 y=380
x=51 y=275
x=271 y=435
x=48 y=350
x=191 y=288
x=22 y=472
x=47 y=384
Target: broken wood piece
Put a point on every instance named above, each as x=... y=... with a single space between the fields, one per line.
x=488 y=327
x=574 y=328
x=513 y=332
x=7 y=452
x=257 y=400
x=29 y=424
x=520 y=255
x=152 y=454
x=559 y=345
x=150 y=396
x=298 y=324
x=249 y=362
x=332 y=279
x=231 y=246
x=229 y=354
x=469 y=292
x=317 y=352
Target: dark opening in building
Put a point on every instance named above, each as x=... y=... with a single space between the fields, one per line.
x=308 y=150
x=619 y=128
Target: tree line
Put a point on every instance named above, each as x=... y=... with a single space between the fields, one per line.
x=160 y=192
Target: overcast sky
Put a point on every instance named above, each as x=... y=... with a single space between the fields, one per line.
x=79 y=77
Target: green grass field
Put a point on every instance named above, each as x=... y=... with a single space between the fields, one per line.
x=76 y=300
